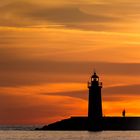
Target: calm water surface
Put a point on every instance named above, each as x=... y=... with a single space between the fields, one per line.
x=69 y=135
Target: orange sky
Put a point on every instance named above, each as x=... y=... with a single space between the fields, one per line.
x=48 y=51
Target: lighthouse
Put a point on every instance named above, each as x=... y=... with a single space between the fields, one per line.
x=95 y=104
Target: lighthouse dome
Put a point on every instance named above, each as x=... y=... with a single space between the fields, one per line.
x=95 y=75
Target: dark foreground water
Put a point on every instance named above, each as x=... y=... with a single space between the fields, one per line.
x=68 y=135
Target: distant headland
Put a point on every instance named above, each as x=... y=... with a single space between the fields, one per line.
x=95 y=120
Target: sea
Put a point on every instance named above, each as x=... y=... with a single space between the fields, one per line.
x=28 y=133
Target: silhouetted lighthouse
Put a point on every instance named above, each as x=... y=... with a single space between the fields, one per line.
x=95 y=104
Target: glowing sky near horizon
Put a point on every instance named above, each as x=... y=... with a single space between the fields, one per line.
x=48 y=50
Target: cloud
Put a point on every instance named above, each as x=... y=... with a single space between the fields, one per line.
x=24 y=14
x=123 y=90
x=116 y=93
x=65 y=67
x=67 y=15
x=82 y=94
x=25 y=109
x=81 y=15
x=10 y=14
x=16 y=69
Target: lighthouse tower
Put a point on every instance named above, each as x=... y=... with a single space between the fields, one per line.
x=95 y=104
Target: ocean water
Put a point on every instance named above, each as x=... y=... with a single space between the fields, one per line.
x=68 y=135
